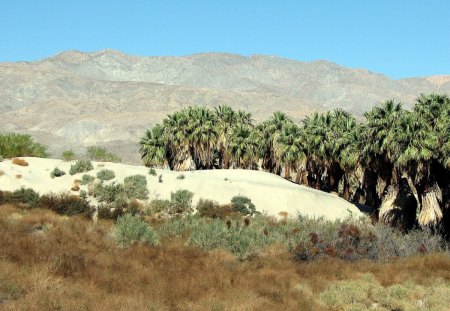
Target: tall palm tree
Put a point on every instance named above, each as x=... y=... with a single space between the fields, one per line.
x=153 y=147
x=203 y=136
x=289 y=148
x=226 y=120
x=244 y=146
x=178 y=133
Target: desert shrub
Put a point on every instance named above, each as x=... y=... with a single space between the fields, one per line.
x=57 y=173
x=152 y=171
x=212 y=209
x=81 y=166
x=160 y=178
x=130 y=229
x=134 y=208
x=83 y=194
x=86 y=179
x=68 y=155
x=136 y=187
x=113 y=192
x=20 y=162
x=177 y=227
x=181 y=177
x=19 y=176
x=105 y=174
x=181 y=201
x=2 y=173
x=243 y=205
x=109 y=211
x=240 y=238
x=1 y=158
x=66 y=204
x=23 y=195
x=20 y=145
x=100 y=154
x=158 y=205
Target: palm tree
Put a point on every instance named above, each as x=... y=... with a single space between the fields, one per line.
x=178 y=132
x=270 y=130
x=244 y=146
x=375 y=156
x=288 y=147
x=226 y=120
x=203 y=136
x=153 y=147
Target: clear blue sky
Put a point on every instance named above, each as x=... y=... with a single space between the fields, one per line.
x=400 y=38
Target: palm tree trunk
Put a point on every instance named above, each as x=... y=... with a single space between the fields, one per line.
x=287 y=171
x=346 y=190
x=431 y=213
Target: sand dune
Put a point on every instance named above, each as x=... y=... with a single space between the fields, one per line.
x=270 y=193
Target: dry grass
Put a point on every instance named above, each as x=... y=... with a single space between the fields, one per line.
x=51 y=262
x=19 y=161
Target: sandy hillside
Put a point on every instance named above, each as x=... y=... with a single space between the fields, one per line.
x=270 y=193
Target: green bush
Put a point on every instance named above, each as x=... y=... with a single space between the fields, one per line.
x=68 y=155
x=66 y=204
x=20 y=145
x=239 y=238
x=181 y=201
x=86 y=179
x=1 y=158
x=152 y=171
x=57 y=173
x=23 y=195
x=105 y=174
x=81 y=166
x=114 y=192
x=136 y=187
x=181 y=177
x=158 y=205
x=83 y=194
x=212 y=209
x=243 y=205
x=130 y=229
x=100 y=154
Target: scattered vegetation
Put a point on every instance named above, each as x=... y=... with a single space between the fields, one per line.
x=152 y=171
x=105 y=174
x=68 y=155
x=57 y=173
x=86 y=179
x=130 y=229
x=243 y=205
x=66 y=204
x=20 y=145
x=100 y=154
x=136 y=187
x=181 y=202
x=26 y=196
x=81 y=166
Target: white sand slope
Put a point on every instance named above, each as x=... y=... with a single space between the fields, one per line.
x=270 y=193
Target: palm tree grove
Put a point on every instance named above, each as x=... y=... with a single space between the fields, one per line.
x=395 y=161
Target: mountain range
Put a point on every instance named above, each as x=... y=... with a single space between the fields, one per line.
x=107 y=98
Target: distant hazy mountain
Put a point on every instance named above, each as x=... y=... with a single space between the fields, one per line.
x=109 y=98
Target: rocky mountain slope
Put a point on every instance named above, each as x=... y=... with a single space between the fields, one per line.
x=107 y=98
